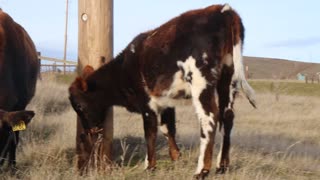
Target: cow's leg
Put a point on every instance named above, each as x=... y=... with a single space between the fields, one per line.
x=203 y=85
x=4 y=149
x=150 y=130
x=13 y=148
x=206 y=109
x=168 y=128
x=4 y=157
x=226 y=91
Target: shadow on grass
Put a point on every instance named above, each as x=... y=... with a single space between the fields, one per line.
x=130 y=150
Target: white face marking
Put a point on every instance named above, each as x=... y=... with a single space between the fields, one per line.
x=226 y=7
x=132 y=48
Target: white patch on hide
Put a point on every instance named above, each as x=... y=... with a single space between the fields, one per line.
x=220 y=151
x=227 y=59
x=132 y=48
x=166 y=99
x=146 y=162
x=214 y=73
x=219 y=158
x=226 y=7
x=164 y=129
x=198 y=85
x=205 y=125
x=205 y=58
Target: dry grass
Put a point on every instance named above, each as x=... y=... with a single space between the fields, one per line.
x=279 y=140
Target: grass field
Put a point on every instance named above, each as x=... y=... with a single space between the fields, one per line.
x=279 y=140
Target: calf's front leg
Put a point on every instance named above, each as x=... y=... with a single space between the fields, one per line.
x=150 y=131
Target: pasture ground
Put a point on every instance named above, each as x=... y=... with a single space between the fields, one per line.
x=279 y=140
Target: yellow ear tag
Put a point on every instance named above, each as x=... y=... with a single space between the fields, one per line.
x=19 y=127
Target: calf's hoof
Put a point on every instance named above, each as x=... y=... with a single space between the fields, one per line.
x=221 y=170
x=151 y=169
x=204 y=173
x=175 y=155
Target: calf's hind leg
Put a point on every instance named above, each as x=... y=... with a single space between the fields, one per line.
x=203 y=96
x=168 y=128
x=206 y=108
x=226 y=92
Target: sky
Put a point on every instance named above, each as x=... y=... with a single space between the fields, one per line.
x=286 y=29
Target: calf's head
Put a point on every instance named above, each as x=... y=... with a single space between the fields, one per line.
x=86 y=100
x=13 y=118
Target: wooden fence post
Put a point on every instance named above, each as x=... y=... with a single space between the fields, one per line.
x=65 y=38
x=95 y=40
x=39 y=60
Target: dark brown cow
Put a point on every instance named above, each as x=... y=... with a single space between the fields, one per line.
x=196 y=55
x=19 y=69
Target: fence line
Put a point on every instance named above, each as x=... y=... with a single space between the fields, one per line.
x=57 y=60
x=48 y=68
x=67 y=66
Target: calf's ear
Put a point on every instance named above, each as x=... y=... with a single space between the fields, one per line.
x=81 y=84
x=87 y=71
x=15 y=117
x=81 y=81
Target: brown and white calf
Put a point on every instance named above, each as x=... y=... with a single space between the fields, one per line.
x=196 y=55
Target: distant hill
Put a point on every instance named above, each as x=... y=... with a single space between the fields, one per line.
x=270 y=68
